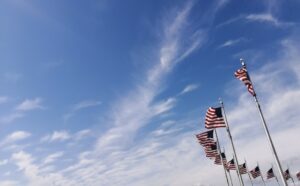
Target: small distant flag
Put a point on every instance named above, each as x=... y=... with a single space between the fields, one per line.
x=270 y=173
x=206 y=138
x=298 y=175
x=286 y=174
x=242 y=74
x=211 y=151
x=243 y=169
x=231 y=165
x=255 y=172
x=218 y=159
x=214 y=118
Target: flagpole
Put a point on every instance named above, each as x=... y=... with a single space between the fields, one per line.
x=277 y=180
x=275 y=176
x=248 y=172
x=293 y=180
x=219 y=149
x=290 y=174
x=230 y=137
x=228 y=171
x=230 y=177
x=261 y=175
x=268 y=134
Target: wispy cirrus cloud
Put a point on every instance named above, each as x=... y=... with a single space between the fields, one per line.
x=9 y=183
x=33 y=172
x=53 y=157
x=81 y=105
x=189 y=88
x=4 y=162
x=56 y=136
x=30 y=104
x=14 y=137
x=264 y=17
x=267 y=18
x=172 y=50
x=11 y=117
x=21 y=109
x=60 y=136
x=232 y=42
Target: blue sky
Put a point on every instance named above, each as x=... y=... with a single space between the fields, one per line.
x=111 y=93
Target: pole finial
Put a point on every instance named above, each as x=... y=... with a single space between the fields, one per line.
x=242 y=61
x=220 y=100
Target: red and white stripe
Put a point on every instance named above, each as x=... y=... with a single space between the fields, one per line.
x=242 y=74
x=212 y=120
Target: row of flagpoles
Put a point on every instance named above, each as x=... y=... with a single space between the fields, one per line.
x=213 y=151
x=216 y=118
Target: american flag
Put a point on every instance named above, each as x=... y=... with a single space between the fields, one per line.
x=206 y=138
x=211 y=151
x=243 y=169
x=270 y=173
x=218 y=159
x=286 y=174
x=298 y=175
x=231 y=165
x=214 y=118
x=242 y=74
x=255 y=172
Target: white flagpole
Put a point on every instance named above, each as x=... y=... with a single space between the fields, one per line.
x=248 y=172
x=230 y=137
x=291 y=175
x=261 y=175
x=220 y=153
x=230 y=177
x=268 y=135
x=277 y=180
x=275 y=176
x=228 y=171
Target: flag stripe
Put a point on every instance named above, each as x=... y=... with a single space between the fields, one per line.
x=255 y=172
x=214 y=118
x=270 y=174
x=243 y=169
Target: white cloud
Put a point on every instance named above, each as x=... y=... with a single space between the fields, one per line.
x=81 y=105
x=189 y=88
x=82 y=134
x=53 y=157
x=232 y=42
x=34 y=174
x=29 y=104
x=11 y=117
x=56 y=136
x=267 y=18
x=4 y=162
x=173 y=49
x=263 y=18
x=86 y=104
x=15 y=136
x=64 y=135
x=9 y=183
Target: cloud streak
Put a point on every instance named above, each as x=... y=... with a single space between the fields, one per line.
x=81 y=105
x=16 y=136
x=141 y=100
x=189 y=88
x=30 y=104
